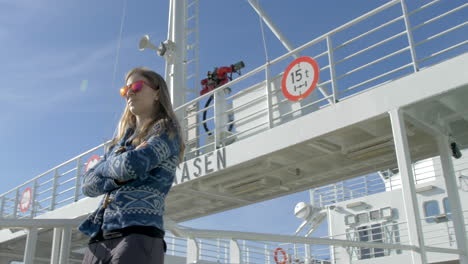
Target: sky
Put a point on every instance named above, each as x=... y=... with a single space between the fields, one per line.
x=60 y=96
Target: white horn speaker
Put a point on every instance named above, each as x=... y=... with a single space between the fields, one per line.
x=146 y=44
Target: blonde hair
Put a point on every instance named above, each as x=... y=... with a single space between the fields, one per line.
x=164 y=114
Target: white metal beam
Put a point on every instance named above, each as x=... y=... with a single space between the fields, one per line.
x=454 y=197
x=423 y=125
x=175 y=66
x=30 y=249
x=457 y=105
x=413 y=217
x=56 y=238
x=222 y=197
x=272 y=26
x=65 y=245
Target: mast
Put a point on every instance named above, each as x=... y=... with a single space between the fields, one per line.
x=182 y=60
x=176 y=52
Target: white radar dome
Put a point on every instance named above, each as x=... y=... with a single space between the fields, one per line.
x=302 y=210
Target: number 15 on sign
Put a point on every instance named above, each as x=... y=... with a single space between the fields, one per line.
x=300 y=78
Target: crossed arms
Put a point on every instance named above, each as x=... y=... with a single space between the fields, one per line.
x=110 y=172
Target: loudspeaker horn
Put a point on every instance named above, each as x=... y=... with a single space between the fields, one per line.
x=146 y=44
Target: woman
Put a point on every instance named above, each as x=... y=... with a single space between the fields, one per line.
x=136 y=174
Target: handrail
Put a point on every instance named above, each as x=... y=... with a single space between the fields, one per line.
x=58 y=166
x=39 y=223
x=237 y=235
x=292 y=52
x=231 y=235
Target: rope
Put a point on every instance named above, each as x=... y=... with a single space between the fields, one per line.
x=263 y=35
x=116 y=62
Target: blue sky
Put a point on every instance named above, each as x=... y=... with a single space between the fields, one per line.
x=60 y=99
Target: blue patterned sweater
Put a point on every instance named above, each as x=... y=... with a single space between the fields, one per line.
x=140 y=201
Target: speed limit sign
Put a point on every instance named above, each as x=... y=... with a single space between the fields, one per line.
x=300 y=78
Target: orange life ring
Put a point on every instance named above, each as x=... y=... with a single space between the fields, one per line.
x=285 y=257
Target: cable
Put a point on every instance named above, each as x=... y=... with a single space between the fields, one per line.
x=116 y=62
x=263 y=36
x=119 y=42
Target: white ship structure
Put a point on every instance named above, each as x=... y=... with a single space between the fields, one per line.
x=380 y=143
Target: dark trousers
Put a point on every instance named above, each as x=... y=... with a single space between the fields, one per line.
x=132 y=249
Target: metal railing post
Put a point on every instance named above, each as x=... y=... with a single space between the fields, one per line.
x=366 y=186
x=2 y=206
x=409 y=34
x=200 y=248
x=307 y=255
x=268 y=94
x=15 y=208
x=343 y=191
x=216 y=119
x=234 y=252
x=243 y=251
x=295 y=252
x=33 y=199
x=173 y=245
x=267 y=256
x=78 y=179
x=332 y=69
x=226 y=250
x=192 y=251
x=335 y=193
x=54 y=191
x=312 y=196
x=218 y=248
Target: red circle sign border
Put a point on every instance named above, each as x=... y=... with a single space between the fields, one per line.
x=313 y=84
x=24 y=209
x=93 y=157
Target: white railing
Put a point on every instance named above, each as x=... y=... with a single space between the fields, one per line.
x=378 y=47
x=214 y=250
x=176 y=246
x=425 y=172
x=52 y=189
x=385 y=44
x=348 y=189
x=218 y=246
x=439 y=230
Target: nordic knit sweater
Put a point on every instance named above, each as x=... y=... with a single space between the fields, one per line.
x=139 y=202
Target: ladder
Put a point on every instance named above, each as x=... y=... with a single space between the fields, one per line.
x=192 y=78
